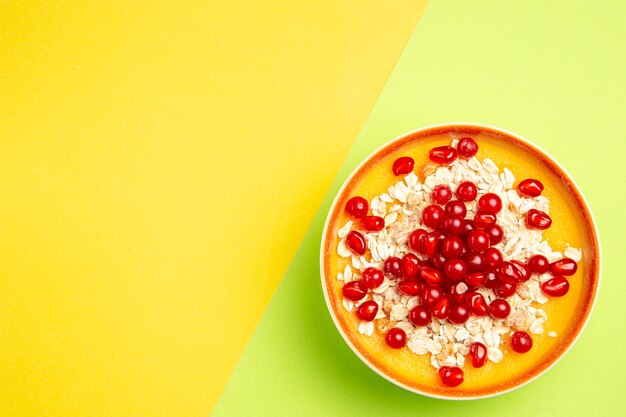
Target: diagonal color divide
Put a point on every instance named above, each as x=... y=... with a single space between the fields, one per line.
x=551 y=71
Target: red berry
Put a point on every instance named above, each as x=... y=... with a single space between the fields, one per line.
x=565 y=266
x=499 y=309
x=484 y=219
x=457 y=291
x=433 y=216
x=505 y=290
x=530 y=187
x=372 y=223
x=372 y=277
x=555 y=287
x=431 y=295
x=478 y=353
x=395 y=338
x=354 y=290
x=459 y=314
x=453 y=225
x=468 y=226
x=410 y=266
x=403 y=165
x=495 y=233
x=466 y=191
x=475 y=261
x=477 y=303
x=524 y=272
x=513 y=272
x=456 y=208
x=367 y=311
x=419 y=316
x=538 y=264
x=451 y=376
x=452 y=247
x=356 y=242
x=455 y=269
x=536 y=219
x=442 y=308
x=492 y=279
x=475 y=279
x=493 y=257
x=467 y=147
x=392 y=267
x=415 y=240
x=431 y=243
x=357 y=207
x=411 y=288
x=431 y=276
x=437 y=261
x=521 y=342
x=490 y=203
x=441 y=194
x=442 y=155
x=477 y=240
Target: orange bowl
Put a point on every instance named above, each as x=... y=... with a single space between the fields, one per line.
x=573 y=223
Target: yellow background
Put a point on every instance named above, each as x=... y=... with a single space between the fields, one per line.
x=159 y=164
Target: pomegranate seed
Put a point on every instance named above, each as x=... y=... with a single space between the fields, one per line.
x=524 y=272
x=393 y=267
x=499 y=309
x=431 y=276
x=467 y=147
x=493 y=257
x=372 y=277
x=451 y=376
x=475 y=261
x=354 y=290
x=521 y=342
x=490 y=203
x=530 y=187
x=455 y=269
x=395 y=338
x=555 y=287
x=357 y=207
x=466 y=191
x=456 y=208
x=442 y=155
x=468 y=226
x=565 y=266
x=441 y=194
x=453 y=225
x=452 y=247
x=403 y=165
x=491 y=279
x=367 y=311
x=536 y=219
x=442 y=308
x=513 y=272
x=433 y=216
x=478 y=240
x=538 y=264
x=478 y=353
x=356 y=242
x=475 y=279
x=477 y=303
x=415 y=240
x=459 y=314
x=430 y=295
x=372 y=223
x=410 y=266
x=505 y=290
x=431 y=243
x=495 y=233
x=411 y=288
x=484 y=219
x=457 y=291
x=420 y=316
x=438 y=261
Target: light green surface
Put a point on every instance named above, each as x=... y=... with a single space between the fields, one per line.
x=554 y=72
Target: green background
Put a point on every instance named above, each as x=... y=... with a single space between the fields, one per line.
x=554 y=72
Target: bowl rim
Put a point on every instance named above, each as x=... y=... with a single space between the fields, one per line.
x=531 y=145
